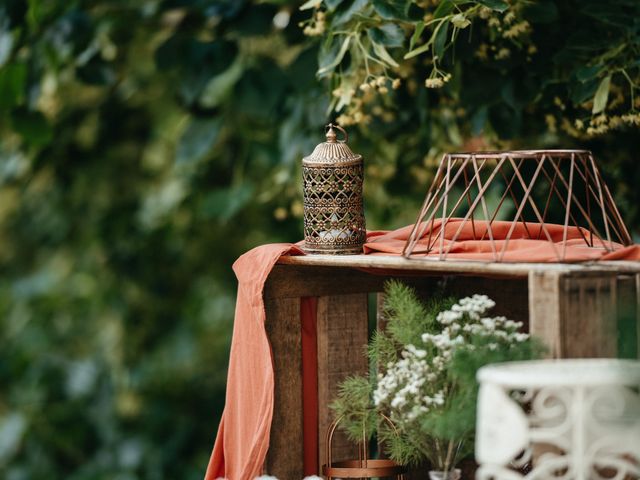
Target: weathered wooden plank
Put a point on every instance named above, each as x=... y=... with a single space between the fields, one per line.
x=589 y=316
x=312 y=281
x=574 y=314
x=394 y=262
x=545 y=310
x=342 y=334
x=307 y=281
x=463 y=267
x=285 y=456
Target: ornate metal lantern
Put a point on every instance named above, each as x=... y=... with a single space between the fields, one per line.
x=333 y=208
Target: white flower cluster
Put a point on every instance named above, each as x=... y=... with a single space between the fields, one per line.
x=466 y=318
x=416 y=382
x=403 y=385
x=474 y=307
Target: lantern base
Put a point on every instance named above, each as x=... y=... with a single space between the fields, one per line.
x=333 y=250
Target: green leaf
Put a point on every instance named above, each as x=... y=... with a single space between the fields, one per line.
x=541 y=11
x=496 y=5
x=12 y=84
x=421 y=49
x=194 y=63
x=184 y=53
x=583 y=91
x=602 y=95
x=255 y=21
x=220 y=86
x=388 y=34
x=13 y=427
x=440 y=40
x=587 y=73
x=382 y=53
x=419 y=28
x=32 y=127
x=260 y=90
x=392 y=9
x=198 y=138
x=328 y=61
x=343 y=16
x=96 y=72
x=35 y=13
x=479 y=119
x=225 y=203
x=6 y=45
x=610 y=13
x=507 y=93
x=444 y=8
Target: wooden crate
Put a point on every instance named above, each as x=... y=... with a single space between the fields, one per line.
x=572 y=307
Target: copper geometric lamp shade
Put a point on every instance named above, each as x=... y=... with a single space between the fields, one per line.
x=537 y=190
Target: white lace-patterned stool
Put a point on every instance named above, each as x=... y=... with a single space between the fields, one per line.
x=559 y=419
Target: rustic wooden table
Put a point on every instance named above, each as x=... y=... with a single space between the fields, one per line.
x=571 y=307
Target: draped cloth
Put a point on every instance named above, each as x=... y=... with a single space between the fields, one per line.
x=243 y=435
x=242 y=442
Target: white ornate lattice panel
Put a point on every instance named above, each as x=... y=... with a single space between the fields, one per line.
x=560 y=420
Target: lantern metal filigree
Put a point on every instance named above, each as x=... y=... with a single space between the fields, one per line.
x=333 y=207
x=362 y=467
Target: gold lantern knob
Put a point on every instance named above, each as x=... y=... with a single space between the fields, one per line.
x=331 y=134
x=333 y=207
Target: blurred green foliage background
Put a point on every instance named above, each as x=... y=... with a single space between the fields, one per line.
x=144 y=145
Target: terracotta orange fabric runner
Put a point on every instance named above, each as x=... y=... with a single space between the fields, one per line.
x=520 y=248
x=243 y=435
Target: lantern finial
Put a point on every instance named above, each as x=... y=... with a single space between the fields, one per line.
x=331 y=134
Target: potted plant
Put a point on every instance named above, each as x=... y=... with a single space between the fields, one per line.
x=426 y=360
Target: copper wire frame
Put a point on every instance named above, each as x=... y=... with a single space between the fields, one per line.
x=583 y=194
x=362 y=467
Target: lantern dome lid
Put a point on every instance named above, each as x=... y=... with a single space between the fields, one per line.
x=333 y=150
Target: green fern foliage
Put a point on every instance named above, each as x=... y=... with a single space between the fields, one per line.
x=354 y=408
x=425 y=363
x=408 y=318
